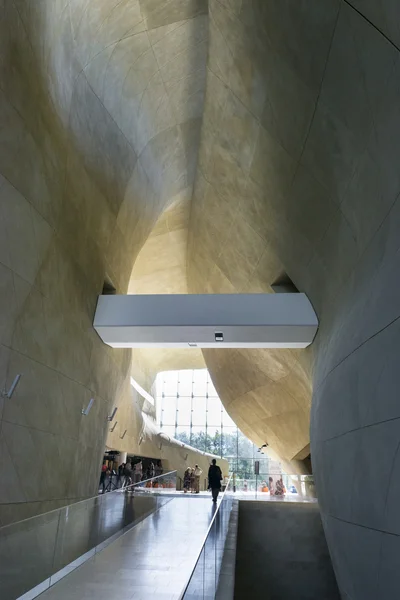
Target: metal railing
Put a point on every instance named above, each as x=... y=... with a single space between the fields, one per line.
x=38 y=552
x=203 y=581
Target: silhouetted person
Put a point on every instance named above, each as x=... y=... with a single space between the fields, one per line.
x=103 y=475
x=127 y=475
x=138 y=471
x=120 y=473
x=214 y=479
x=192 y=480
x=158 y=469
x=186 y=480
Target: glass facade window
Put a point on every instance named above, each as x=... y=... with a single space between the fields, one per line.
x=214 y=413
x=189 y=409
x=183 y=410
x=199 y=411
x=185 y=384
x=168 y=413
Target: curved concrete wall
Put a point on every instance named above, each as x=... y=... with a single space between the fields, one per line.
x=143 y=438
x=293 y=148
x=245 y=231
x=298 y=174
x=100 y=106
x=355 y=423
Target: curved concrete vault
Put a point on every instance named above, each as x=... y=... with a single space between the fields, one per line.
x=100 y=120
x=194 y=146
x=297 y=174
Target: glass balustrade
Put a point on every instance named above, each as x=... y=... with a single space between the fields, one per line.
x=37 y=552
x=293 y=487
x=203 y=582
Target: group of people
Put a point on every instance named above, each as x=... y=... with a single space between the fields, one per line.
x=191 y=480
x=277 y=488
x=130 y=473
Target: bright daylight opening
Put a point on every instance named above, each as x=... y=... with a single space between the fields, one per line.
x=190 y=410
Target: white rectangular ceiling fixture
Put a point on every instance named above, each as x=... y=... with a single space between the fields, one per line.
x=206 y=321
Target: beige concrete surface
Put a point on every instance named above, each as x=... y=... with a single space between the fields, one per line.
x=298 y=173
x=100 y=112
x=244 y=204
x=204 y=147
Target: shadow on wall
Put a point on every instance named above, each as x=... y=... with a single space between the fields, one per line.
x=311 y=187
x=86 y=168
x=52 y=281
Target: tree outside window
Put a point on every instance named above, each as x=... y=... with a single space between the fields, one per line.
x=189 y=409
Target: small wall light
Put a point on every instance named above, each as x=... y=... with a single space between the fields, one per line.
x=86 y=411
x=8 y=393
x=114 y=426
x=110 y=417
x=123 y=435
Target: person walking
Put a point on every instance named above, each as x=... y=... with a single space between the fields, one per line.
x=279 y=490
x=127 y=475
x=147 y=474
x=271 y=486
x=191 y=480
x=186 y=480
x=214 y=479
x=138 y=471
x=120 y=474
x=103 y=475
x=197 y=474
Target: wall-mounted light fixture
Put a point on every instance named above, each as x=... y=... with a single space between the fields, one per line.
x=113 y=427
x=141 y=438
x=186 y=456
x=8 y=393
x=86 y=411
x=123 y=435
x=110 y=417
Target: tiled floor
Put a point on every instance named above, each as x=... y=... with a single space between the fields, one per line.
x=152 y=561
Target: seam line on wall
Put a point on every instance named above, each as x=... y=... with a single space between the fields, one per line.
x=385 y=531
x=369 y=426
x=356 y=350
x=371 y=23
